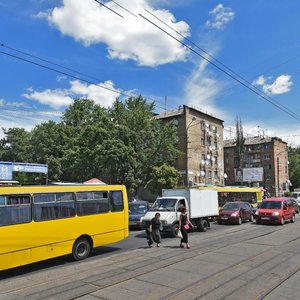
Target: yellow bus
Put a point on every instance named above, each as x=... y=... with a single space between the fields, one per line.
x=252 y=195
x=43 y=222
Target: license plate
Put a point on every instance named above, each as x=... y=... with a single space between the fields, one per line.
x=134 y=223
x=265 y=218
x=224 y=218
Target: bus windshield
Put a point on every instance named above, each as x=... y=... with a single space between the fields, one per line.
x=167 y=204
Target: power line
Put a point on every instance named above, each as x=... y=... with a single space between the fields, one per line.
x=251 y=87
x=108 y=8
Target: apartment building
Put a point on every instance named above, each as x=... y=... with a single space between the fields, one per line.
x=264 y=163
x=201 y=143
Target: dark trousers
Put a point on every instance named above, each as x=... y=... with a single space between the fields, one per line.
x=153 y=236
x=184 y=235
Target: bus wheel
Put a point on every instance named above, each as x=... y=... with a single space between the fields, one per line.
x=81 y=249
x=202 y=225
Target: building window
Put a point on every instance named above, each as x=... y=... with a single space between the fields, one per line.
x=267 y=156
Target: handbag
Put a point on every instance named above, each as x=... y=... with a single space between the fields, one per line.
x=179 y=234
x=186 y=226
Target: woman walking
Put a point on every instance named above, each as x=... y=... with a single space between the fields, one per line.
x=155 y=230
x=184 y=224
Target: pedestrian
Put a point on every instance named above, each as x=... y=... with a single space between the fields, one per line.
x=154 y=229
x=184 y=224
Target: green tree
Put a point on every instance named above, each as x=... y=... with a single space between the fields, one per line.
x=15 y=146
x=240 y=142
x=162 y=177
x=294 y=167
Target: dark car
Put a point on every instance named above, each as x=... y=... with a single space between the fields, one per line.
x=137 y=209
x=235 y=213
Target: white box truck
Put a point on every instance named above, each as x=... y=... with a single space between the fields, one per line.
x=200 y=204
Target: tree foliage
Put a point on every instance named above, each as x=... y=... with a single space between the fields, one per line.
x=163 y=177
x=240 y=142
x=122 y=144
x=294 y=167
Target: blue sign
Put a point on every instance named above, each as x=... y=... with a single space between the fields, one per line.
x=30 y=168
x=6 y=170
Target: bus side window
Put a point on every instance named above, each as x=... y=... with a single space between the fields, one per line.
x=53 y=206
x=15 y=210
x=116 y=201
x=90 y=203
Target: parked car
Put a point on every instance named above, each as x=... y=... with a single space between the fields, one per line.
x=235 y=212
x=276 y=211
x=137 y=209
x=296 y=205
x=296 y=196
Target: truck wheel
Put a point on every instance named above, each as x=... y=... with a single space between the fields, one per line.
x=81 y=249
x=175 y=229
x=202 y=225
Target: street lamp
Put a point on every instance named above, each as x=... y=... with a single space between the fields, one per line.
x=187 y=150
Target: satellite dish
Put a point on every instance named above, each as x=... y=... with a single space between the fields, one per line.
x=198 y=173
x=213 y=159
x=208 y=156
x=210 y=148
x=202 y=173
x=218 y=135
x=202 y=161
x=225 y=175
x=206 y=124
x=221 y=173
x=214 y=147
x=209 y=133
x=213 y=128
x=207 y=162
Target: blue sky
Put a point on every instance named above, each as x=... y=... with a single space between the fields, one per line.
x=259 y=40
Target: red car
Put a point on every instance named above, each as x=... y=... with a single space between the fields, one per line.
x=276 y=211
x=235 y=212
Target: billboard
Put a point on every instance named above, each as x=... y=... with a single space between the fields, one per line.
x=249 y=174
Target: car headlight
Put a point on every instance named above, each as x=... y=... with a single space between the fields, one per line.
x=275 y=213
x=235 y=214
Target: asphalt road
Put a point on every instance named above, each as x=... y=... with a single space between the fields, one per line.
x=227 y=262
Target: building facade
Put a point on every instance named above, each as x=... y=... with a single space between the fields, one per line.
x=201 y=144
x=264 y=163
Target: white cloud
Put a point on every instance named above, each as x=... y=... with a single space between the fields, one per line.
x=90 y=23
x=25 y=119
x=58 y=98
x=54 y=98
x=100 y=96
x=220 y=17
x=282 y=84
x=201 y=90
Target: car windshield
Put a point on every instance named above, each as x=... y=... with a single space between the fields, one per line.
x=231 y=206
x=271 y=204
x=137 y=209
x=164 y=204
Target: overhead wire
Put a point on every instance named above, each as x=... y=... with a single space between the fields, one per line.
x=108 y=8
x=68 y=74
x=252 y=88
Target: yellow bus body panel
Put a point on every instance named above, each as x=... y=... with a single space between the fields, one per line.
x=22 y=244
